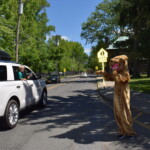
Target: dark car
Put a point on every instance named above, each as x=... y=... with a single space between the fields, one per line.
x=53 y=79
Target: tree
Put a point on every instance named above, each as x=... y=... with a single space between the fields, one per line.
x=114 y=18
x=102 y=25
x=8 y=21
x=78 y=56
x=135 y=16
x=33 y=31
x=34 y=50
x=68 y=54
x=101 y=28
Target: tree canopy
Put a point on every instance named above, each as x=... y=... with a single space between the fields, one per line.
x=114 y=18
x=34 y=49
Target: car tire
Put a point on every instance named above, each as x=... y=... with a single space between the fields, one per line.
x=11 y=115
x=43 y=101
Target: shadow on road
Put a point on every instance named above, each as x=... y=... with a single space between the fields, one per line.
x=83 y=118
x=93 y=120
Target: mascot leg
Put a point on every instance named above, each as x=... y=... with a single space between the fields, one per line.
x=123 y=117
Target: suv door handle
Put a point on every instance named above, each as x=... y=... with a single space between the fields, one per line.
x=18 y=87
x=31 y=84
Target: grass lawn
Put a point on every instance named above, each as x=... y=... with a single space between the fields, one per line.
x=140 y=84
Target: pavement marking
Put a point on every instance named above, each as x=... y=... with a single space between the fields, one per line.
x=137 y=116
x=51 y=87
x=142 y=124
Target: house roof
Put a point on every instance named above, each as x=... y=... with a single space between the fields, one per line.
x=120 y=39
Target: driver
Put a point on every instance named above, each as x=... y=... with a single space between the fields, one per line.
x=21 y=74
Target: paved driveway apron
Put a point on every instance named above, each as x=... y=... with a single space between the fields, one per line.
x=76 y=119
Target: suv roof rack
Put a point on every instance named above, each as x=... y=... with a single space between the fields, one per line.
x=5 y=61
x=4 y=56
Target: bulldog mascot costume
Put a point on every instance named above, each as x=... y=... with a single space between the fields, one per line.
x=122 y=112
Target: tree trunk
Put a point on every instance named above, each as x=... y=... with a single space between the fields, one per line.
x=136 y=71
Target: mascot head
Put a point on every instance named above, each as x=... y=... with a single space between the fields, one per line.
x=120 y=63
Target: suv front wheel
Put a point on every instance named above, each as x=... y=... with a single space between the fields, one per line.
x=43 y=101
x=11 y=114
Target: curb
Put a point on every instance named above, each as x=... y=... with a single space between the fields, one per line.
x=110 y=100
x=103 y=96
x=109 y=103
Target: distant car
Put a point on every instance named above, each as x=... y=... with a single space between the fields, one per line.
x=53 y=79
x=84 y=75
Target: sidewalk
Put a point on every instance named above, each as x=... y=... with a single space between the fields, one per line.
x=139 y=101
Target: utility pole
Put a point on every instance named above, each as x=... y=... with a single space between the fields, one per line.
x=20 y=12
x=57 y=38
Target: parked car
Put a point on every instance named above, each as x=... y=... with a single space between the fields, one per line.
x=83 y=75
x=53 y=79
x=16 y=95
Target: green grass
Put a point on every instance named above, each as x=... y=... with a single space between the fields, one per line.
x=140 y=84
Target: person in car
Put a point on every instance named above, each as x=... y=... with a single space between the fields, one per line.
x=21 y=74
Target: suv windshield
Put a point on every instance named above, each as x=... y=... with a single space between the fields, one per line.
x=53 y=76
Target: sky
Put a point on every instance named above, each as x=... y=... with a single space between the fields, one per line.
x=68 y=15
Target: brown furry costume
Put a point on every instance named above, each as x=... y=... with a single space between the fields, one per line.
x=121 y=94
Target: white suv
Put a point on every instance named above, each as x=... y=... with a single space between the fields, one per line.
x=16 y=95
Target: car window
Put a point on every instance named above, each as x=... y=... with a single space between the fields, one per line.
x=29 y=72
x=3 y=73
x=53 y=76
x=16 y=70
x=26 y=73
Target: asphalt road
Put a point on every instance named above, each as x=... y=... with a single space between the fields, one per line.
x=76 y=118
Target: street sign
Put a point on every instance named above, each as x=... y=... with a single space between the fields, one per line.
x=96 y=67
x=103 y=59
x=102 y=55
x=64 y=69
